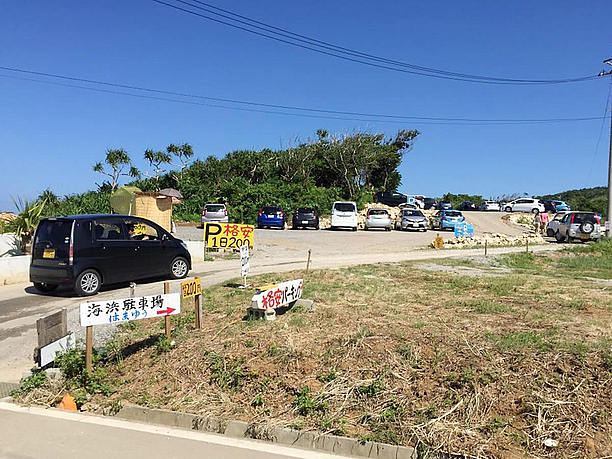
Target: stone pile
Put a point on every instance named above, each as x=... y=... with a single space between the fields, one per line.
x=494 y=239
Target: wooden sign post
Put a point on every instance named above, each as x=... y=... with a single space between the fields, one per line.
x=166 y=317
x=193 y=288
x=89 y=348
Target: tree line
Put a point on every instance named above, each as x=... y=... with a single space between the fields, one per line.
x=315 y=172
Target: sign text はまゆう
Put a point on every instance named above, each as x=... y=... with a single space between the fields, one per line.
x=126 y=309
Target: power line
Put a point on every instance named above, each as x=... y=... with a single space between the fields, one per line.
x=374 y=117
x=313 y=44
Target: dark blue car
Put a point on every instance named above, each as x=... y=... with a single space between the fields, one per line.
x=271 y=216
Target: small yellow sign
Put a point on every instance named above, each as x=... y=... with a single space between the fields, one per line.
x=49 y=253
x=191 y=287
x=228 y=235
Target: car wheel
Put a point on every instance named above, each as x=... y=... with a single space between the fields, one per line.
x=388 y=228
x=508 y=209
x=355 y=228
x=88 y=283
x=317 y=227
x=535 y=211
x=179 y=268
x=44 y=287
x=550 y=232
x=365 y=228
x=559 y=237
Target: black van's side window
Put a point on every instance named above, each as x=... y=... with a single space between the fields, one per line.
x=104 y=231
x=140 y=231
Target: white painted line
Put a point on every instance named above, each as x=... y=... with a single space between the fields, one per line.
x=252 y=445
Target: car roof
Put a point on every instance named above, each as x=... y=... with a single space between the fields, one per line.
x=93 y=216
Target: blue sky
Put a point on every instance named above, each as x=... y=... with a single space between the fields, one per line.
x=52 y=135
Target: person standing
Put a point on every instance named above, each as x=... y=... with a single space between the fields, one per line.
x=543 y=221
x=537 y=222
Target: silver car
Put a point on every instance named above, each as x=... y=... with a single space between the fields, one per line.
x=411 y=219
x=378 y=218
x=214 y=213
x=584 y=226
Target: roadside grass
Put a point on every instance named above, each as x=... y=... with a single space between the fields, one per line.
x=475 y=365
x=580 y=260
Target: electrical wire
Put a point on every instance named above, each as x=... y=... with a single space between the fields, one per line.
x=347 y=53
x=279 y=109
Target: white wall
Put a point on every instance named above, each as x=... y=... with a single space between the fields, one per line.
x=14 y=270
x=9 y=245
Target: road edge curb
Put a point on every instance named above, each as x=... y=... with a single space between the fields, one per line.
x=257 y=431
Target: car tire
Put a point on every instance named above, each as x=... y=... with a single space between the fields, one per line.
x=550 y=232
x=388 y=228
x=355 y=228
x=88 y=283
x=559 y=237
x=317 y=227
x=365 y=228
x=587 y=227
x=508 y=209
x=179 y=268
x=44 y=287
x=535 y=211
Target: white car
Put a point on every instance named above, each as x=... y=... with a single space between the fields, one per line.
x=344 y=215
x=490 y=205
x=554 y=224
x=524 y=205
x=378 y=218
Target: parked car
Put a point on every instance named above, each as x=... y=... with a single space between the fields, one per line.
x=411 y=219
x=548 y=205
x=344 y=215
x=417 y=201
x=445 y=205
x=214 y=213
x=561 y=206
x=525 y=205
x=579 y=225
x=554 y=223
x=88 y=251
x=468 y=205
x=378 y=218
x=408 y=206
x=305 y=217
x=271 y=217
x=390 y=198
x=429 y=203
x=447 y=219
x=489 y=205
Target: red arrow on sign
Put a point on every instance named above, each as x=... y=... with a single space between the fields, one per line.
x=166 y=311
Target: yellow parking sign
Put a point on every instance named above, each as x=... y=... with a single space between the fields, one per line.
x=228 y=235
x=191 y=287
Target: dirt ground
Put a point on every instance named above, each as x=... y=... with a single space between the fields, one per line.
x=500 y=364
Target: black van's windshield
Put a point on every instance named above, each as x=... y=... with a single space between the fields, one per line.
x=53 y=234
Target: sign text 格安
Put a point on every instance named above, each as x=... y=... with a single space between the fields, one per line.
x=280 y=295
x=228 y=235
x=126 y=309
x=191 y=288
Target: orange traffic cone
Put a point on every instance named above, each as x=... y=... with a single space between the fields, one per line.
x=68 y=403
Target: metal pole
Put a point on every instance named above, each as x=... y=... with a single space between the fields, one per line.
x=486 y=246
x=610 y=176
x=609 y=232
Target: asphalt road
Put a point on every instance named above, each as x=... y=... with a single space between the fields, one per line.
x=275 y=251
x=39 y=433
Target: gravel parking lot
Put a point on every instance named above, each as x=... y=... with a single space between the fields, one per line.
x=283 y=243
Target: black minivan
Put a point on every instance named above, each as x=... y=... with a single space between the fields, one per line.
x=86 y=251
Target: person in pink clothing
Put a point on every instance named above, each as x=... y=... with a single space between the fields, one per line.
x=543 y=221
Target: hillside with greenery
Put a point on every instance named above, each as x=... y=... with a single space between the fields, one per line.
x=590 y=199
x=313 y=173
